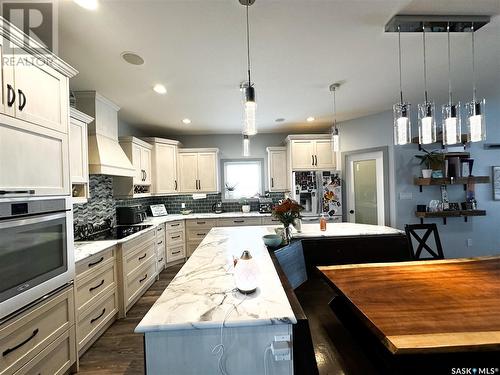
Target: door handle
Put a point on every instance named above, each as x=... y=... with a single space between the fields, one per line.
x=199 y=184
x=145 y=175
x=144 y=256
x=175 y=184
x=272 y=182
x=144 y=278
x=351 y=211
x=98 y=317
x=22 y=99
x=11 y=95
x=312 y=159
x=6 y=192
x=10 y=350
x=97 y=286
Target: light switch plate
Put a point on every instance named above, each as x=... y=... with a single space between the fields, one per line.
x=405 y=196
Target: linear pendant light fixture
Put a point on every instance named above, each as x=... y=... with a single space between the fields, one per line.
x=250 y=106
x=246 y=145
x=452 y=127
x=426 y=110
x=401 y=110
x=335 y=130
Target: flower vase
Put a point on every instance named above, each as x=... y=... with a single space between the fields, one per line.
x=287 y=234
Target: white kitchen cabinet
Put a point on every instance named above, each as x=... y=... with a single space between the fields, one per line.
x=277 y=169
x=198 y=170
x=139 y=154
x=164 y=165
x=310 y=152
x=146 y=165
x=78 y=155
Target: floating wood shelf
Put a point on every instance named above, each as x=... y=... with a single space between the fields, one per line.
x=420 y=181
x=446 y=214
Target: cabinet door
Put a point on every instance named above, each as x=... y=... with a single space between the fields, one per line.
x=277 y=171
x=78 y=151
x=33 y=159
x=146 y=165
x=7 y=79
x=324 y=154
x=302 y=155
x=42 y=95
x=188 y=172
x=207 y=172
x=136 y=162
x=165 y=178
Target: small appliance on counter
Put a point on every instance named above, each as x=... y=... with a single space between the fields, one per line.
x=265 y=205
x=217 y=207
x=129 y=215
x=158 y=210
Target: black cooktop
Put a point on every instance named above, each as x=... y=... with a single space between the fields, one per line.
x=116 y=233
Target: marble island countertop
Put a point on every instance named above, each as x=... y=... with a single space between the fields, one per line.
x=202 y=294
x=343 y=230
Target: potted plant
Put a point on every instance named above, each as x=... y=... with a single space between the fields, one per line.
x=245 y=205
x=287 y=212
x=230 y=190
x=432 y=160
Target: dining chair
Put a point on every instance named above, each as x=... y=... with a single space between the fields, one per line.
x=421 y=233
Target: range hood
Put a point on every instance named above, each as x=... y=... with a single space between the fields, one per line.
x=105 y=153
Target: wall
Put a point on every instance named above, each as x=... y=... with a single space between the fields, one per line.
x=376 y=130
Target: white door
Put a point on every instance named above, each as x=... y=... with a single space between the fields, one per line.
x=136 y=162
x=146 y=165
x=207 y=172
x=165 y=168
x=277 y=171
x=188 y=172
x=7 y=78
x=78 y=145
x=324 y=154
x=302 y=155
x=365 y=188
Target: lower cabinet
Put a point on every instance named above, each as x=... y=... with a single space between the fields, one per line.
x=42 y=339
x=196 y=230
x=175 y=238
x=160 y=248
x=239 y=221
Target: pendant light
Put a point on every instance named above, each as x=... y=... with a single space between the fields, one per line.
x=401 y=110
x=452 y=127
x=335 y=131
x=247 y=88
x=426 y=110
x=246 y=145
x=475 y=109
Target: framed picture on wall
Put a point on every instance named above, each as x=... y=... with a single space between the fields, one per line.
x=496 y=183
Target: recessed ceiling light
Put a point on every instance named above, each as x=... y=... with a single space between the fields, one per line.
x=280 y=119
x=160 y=89
x=310 y=119
x=132 y=58
x=87 y=4
x=186 y=121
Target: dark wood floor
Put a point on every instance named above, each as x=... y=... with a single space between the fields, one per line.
x=120 y=351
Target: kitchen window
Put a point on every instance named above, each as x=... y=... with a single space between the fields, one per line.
x=242 y=178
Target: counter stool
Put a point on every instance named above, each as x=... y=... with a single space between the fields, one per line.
x=412 y=233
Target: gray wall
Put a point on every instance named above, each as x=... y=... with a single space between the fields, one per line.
x=484 y=232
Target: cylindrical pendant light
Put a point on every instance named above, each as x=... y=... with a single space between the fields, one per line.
x=246 y=145
x=401 y=110
x=452 y=125
x=335 y=131
x=250 y=106
x=426 y=110
x=475 y=109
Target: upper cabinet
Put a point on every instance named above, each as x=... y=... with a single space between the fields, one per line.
x=198 y=170
x=34 y=118
x=311 y=152
x=78 y=155
x=277 y=169
x=164 y=165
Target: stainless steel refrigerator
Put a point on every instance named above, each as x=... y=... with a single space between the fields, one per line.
x=319 y=192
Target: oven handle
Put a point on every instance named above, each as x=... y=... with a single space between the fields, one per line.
x=39 y=219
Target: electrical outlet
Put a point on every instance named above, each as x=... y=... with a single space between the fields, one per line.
x=469 y=242
x=279 y=338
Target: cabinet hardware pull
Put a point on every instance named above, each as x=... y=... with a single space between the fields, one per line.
x=312 y=158
x=145 y=175
x=316 y=160
x=11 y=95
x=160 y=228
x=174 y=237
x=176 y=252
x=10 y=350
x=199 y=184
x=159 y=243
x=272 y=182
x=201 y=234
x=175 y=225
x=5 y=192
x=144 y=278
x=175 y=184
x=160 y=260
x=238 y=221
x=144 y=256
x=98 y=317
x=96 y=262
x=22 y=99
x=201 y=222
x=97 y=286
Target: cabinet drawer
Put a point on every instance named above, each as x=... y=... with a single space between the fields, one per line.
x=197 y=235
x=94 y=285
x=176 y=253
x=132 y=245
x=138 y=256
x=201 y=223
x=160 y=231
x=191 y=247
x=23 y=338
x=95 y=318
x=175 y=225
x=140 y=280
x=55 y=359
x=239 y=221
x=160 y=255
x=88 y=265
x=269 y=220
x=160 y=242
x=175 y=238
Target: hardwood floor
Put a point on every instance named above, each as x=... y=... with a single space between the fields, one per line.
x=120 y=351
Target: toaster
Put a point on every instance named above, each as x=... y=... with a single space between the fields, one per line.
x=128 y=215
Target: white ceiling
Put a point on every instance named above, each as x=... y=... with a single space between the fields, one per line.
x=197 y=49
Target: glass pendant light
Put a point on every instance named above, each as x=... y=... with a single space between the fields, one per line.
x=335 y=131
x=475 y=109
x=249 y=127
x=452 y=127
x=246 y=145
x=401 y=110
x=426 y=110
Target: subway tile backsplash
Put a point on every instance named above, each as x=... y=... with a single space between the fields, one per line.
x=102 y=205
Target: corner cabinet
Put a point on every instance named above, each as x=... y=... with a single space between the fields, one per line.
x=34 y=118
x=78 y=155
x=198 y=170
x=277 y=169
x=311 y=152
x=164 y=165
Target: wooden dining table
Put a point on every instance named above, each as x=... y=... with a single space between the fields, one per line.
x=437 y=306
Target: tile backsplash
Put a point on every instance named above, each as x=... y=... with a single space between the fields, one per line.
x=102 y=205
